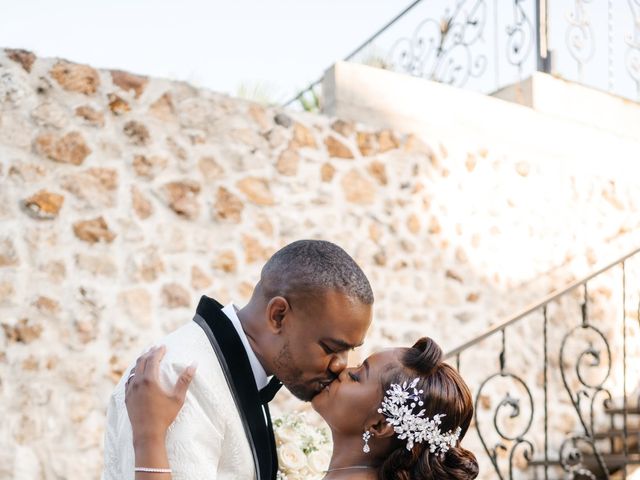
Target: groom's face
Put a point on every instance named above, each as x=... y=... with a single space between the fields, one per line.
x=316 y=339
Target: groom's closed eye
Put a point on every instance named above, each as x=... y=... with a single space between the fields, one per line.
x=327 y=349
x=333 y=345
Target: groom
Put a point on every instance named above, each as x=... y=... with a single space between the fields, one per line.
x=311 y=306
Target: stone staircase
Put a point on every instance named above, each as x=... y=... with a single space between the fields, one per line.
x=615 y=452
x=624 y=443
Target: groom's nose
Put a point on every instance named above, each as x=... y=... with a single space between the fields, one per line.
x=339 y=362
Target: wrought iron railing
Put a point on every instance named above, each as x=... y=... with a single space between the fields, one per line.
x=528 y=390
x=486 y=44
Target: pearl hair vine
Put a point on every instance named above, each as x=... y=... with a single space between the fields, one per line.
x=398 y=406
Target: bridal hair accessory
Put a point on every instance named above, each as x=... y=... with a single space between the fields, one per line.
x=152 y=470
x=398 y=406
x=366 y=436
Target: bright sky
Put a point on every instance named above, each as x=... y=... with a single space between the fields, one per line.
x=283 y=44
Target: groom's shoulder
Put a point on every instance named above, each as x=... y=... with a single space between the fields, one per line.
x=188 y=333
x=188 y=343
x=185 y=346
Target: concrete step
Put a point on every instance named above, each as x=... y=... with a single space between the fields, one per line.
x=616 y=432
x=614 y=462
x=632 y=411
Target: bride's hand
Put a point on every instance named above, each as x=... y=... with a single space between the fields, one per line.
x=151 y=408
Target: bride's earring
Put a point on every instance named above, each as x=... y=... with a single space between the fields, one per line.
x=366 y=436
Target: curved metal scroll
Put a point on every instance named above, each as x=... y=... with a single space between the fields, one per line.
x=589 y=357
x=508 y=443
x=580 y=36
x=572 y=457
x=521 y=35
x=632 y=56
x=441 y=50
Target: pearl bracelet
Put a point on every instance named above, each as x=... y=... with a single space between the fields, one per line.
x=152 y=470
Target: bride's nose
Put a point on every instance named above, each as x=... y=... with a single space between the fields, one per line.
x=343 y=375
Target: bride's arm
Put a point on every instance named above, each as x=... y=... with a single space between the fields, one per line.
x=151 y=411
x=152 y=452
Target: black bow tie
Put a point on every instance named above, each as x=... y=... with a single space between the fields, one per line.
x=268 y=392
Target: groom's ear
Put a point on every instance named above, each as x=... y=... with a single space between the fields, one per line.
x=277 y=308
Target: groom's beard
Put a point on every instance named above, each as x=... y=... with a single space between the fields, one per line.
x=292 y=377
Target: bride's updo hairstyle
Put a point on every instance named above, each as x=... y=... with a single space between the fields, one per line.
x=445 y=392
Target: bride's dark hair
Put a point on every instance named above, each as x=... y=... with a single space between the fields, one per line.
x=445 y=392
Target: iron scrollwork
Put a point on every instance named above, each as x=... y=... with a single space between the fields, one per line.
x=509 y=443
x=590 y=357
x=632 y=56
x=521 y=35
x=585 y=367
x=441 y=50
x=572 y=457
x=580 y=36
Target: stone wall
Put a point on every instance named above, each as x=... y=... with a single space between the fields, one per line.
x=124 y=198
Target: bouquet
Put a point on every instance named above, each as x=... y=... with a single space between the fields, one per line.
x=304 y=451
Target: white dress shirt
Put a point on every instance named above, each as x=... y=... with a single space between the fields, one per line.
x=256 y=367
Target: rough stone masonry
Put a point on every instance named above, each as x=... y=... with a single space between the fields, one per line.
x=124 y=198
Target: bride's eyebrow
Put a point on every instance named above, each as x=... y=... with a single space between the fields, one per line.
x=365 y=364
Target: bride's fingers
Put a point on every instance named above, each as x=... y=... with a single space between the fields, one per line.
x=144 y=361
x=152 y=367
x=140 y=362
x=184 y=380
x=132 y=373
x=140 y=366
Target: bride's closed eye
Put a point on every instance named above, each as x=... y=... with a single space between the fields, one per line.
x=355 y=377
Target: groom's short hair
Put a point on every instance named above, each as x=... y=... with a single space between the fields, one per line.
x=311 y=266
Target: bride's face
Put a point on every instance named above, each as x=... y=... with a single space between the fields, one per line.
x=353 y=399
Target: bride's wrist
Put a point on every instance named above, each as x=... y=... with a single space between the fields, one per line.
x=150 y=452
x=149 y=440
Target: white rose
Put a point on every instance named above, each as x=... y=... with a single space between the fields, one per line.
x=291 y=458
x=320 y=437
x=286 y=435
x=318 y=461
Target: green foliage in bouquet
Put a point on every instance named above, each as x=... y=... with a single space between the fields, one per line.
x=304 y=450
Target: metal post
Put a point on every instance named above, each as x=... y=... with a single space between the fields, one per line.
x=542 y=37
x=545 y=339
x=625 y=417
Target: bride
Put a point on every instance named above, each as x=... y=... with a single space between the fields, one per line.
x=400 y=415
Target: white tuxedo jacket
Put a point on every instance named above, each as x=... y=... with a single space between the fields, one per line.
x=207 y=439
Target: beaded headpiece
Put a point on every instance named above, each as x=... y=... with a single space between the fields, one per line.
x=398 y=406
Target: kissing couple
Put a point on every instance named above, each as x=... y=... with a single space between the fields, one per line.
x=400 y=415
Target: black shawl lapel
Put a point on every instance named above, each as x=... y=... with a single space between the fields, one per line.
x=237 y=368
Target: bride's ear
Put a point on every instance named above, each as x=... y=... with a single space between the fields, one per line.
x=381 y=428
